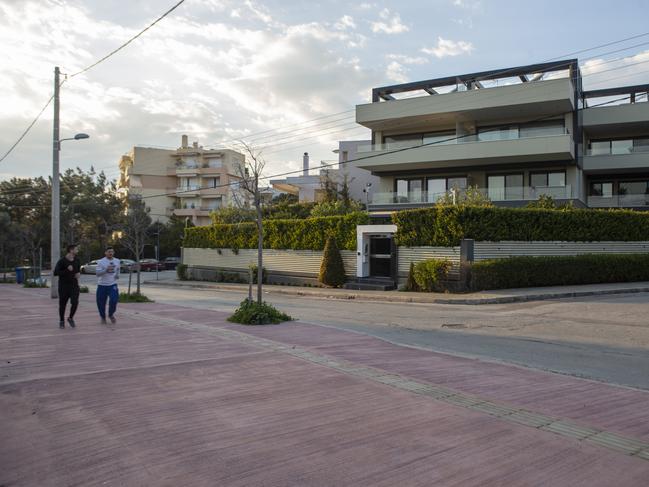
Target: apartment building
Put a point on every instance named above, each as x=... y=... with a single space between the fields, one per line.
x=514 y=133
x=188 y=182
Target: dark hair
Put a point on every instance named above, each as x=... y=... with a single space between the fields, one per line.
x=70 y=247
x=108 y=248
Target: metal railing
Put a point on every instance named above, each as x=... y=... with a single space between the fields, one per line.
x=517 y=193
x=634 y=200
x=614 y=151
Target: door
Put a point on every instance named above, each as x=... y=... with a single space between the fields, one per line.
x=381 y=256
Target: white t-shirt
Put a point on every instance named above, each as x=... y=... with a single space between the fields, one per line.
x=104 y=276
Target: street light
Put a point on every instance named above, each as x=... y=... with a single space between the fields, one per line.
x=56 y=198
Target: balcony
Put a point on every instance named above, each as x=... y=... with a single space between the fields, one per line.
x=397 y=201
x=186 y=191
x=533 y=99
x=466 y=152
x=638 y=200
x=614 y=159
x=214 y=192
x=185 y=170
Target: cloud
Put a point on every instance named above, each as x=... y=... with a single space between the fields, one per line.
x=396 y=72
x=403 y=59
x=446 y=48
x=345 y=22
x=602 y=73
x=390 y=24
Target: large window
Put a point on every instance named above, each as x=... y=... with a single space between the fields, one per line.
x=436 y=188
x=440 y=138
x=486 y=134
x=501 y=187
x=542 y=129
x=603 y=189
x=402 y=141
x=618 y=146
x=548 y=179
x=410 y=190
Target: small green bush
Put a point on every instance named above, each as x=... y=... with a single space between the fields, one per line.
x=332 y=269
x=84 y=289
x=429 y=274
x=251 y=313
x=181 y=272
x=7 y=280
x=411 y=284
x=134 y=298
x=264 y=275
x=516 y=272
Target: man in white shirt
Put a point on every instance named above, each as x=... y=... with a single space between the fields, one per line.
x=107 y=275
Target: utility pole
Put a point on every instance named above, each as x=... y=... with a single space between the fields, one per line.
x=56 y=234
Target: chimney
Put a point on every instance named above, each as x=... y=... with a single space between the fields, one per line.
x=183 y=145
x=305 y=164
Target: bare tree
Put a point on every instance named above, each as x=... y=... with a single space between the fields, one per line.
x=249 y=173
x=136 y=224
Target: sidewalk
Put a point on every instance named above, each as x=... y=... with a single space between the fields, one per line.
x=177 y=396
x=484 y=297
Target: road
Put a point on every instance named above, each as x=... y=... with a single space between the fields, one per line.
x=605 y=338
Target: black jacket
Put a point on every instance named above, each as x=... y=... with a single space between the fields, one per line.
x=66 y=276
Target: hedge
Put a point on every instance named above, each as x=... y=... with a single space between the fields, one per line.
x=304 y=234
x=428 y=274
x=516 y=272
x=447 y=225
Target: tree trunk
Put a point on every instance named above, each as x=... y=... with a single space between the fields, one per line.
x=260 y=244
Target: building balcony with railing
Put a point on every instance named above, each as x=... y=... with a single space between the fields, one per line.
x=617 y=154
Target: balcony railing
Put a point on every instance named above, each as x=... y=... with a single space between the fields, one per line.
x=517 y=193
x=191 y=187
x=452 y=140
x=613 y=151
x=635 y=200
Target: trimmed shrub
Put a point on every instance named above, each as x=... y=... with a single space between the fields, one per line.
x=332 y=269
x=428 y=274
x=411 y=284
x=304 y=234
x=447 y=225
x=251 y=313
x=181 y=271
x=264 y=274
x=516 y=272
x=134 y=298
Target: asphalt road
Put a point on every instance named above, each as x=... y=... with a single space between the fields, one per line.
x=473 y=331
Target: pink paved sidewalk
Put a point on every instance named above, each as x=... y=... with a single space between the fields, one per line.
x=148 y=403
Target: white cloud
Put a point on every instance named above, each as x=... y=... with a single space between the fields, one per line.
x=390 y=24
x=396 y=72
x=446 y=47
x=602 y=73
x=403 y=59
x=345 y=22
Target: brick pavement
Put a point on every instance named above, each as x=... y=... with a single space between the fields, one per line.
x=176 y=396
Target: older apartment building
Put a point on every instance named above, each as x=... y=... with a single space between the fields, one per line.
x=514 y=133
x=188 y=182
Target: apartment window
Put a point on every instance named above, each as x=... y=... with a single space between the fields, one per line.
x=402 y=141
x=212 y=182
x=641 y=145
x=215 y=162
x=622 y=146
x=440 y=138
x=501 y=187
x=409 y=190
x=548 y=179
x=436 y=189
x=628 y=188
x=604 y=189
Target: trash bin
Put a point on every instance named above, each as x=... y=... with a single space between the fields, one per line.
x=20 y=275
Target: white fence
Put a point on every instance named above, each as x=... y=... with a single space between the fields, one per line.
x=501 y=250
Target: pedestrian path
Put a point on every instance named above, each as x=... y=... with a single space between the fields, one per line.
x=178 y=396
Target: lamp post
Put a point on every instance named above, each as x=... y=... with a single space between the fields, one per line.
x=55 y=249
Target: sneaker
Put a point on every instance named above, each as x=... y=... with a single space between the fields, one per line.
x=103 y=321
x=71 y=323
x=112 y=320
x=61 y=324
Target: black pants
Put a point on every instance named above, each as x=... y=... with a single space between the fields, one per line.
x=71 y=293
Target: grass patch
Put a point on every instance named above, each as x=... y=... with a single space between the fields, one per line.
x=84 y=289
x=134 y=298
x=251 y=313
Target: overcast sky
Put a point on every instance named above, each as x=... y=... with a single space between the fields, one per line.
x=221 y=70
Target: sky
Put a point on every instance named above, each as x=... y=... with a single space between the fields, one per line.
x=283 y=76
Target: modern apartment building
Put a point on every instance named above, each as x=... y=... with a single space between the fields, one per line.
x=189 y=182
x=514 y=133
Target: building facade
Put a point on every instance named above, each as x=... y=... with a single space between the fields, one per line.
x=188 y=182
x=514 y=134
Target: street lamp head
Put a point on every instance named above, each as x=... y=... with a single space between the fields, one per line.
x=81 y=136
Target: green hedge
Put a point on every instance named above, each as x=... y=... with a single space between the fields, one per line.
x=516 y=272
x=428 y=274
x=304 y=234
x=447 y=225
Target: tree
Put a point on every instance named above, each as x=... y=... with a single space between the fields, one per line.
x=471 y=196
x=134 y=230
x=332 y=269
x=328 y=185
x=249 y=173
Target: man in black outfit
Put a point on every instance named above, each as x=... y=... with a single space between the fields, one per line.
x=68 y=269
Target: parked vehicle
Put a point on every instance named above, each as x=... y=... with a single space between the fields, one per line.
x=151 y=265
x=171 y=263
x=127 y=265
x=89 y=268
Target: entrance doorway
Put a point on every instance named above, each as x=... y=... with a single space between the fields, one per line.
x=381 y=253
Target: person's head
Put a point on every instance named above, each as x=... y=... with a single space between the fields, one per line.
x=72 y=249
x=110 y=252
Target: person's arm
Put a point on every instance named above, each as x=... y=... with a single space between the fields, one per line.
x=58 y=268
x=101 y=270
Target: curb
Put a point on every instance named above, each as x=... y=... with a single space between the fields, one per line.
x=415 y=298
